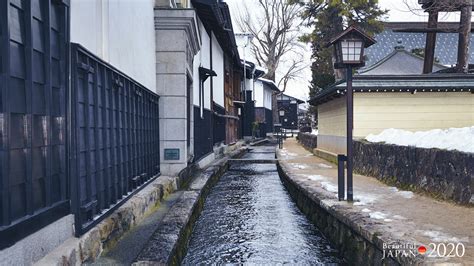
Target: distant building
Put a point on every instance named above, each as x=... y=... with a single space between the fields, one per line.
x=252 y=74
x=264 y=91
x=288 y=106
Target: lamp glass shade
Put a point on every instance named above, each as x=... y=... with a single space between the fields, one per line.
x=351 y=51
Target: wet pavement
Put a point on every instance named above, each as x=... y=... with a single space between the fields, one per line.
x=402 y=215
x=249 y=217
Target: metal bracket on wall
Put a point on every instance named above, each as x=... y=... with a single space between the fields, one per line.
x=118 y=83
x=85 y=67
x=62 y=2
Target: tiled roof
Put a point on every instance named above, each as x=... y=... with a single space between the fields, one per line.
x=398 y=83
x=287 y=97
x=446 y=43
x=398 y=62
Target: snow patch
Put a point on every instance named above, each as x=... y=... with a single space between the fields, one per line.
x=461 y=139
x=323 y=165
x=393 y=189
x=406 y=194
x=399 y=217
x=316 y=177
x=329 y=186
x=314 y=132
x=361 y=200
x=438 y=236
x=377 y=215
x=299 y=166
x=366 y=210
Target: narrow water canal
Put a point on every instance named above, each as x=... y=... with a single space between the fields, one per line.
x=249 y=217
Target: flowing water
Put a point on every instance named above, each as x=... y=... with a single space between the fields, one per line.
x=249 y=217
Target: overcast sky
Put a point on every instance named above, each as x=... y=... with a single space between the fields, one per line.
x=398 y=11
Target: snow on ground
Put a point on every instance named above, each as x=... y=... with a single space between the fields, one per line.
x=316 y=177
x=299 y=166
x=323 y=165
x=406 y=194
x=402 y=193
x=364 y=199
x=329 y=186
x=377 y=215
x=438 y=236
x=314 y=132
x=461 y=139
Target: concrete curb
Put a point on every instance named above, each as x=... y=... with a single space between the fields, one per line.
x=360 y=242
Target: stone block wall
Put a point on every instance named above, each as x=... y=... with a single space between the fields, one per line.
x=440 y=173
x=308 y=141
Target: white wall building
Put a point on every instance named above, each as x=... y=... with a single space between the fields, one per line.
x=120 y=32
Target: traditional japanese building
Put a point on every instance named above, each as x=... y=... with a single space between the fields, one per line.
x=289 y=107
x=264 y=95
x=393 y=94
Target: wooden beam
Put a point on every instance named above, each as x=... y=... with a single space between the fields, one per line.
x=430 y=43
x=464 y=38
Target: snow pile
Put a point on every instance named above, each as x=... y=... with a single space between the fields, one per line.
x=461 y=139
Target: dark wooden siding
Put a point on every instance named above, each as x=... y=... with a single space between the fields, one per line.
x=115 y=137
x=202 y=138
x=33 y=181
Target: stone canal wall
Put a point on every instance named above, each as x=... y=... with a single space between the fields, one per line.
x=309 y=141
x=442 y=174
x=176 y=227
x=359 y=242
x=167 y=245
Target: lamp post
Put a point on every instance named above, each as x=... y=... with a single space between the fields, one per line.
x=281 y=112
x=349 y=53
x=248 y=37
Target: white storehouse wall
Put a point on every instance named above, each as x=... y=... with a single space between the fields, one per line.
x=121 y=32
x=202 y=58
x=259 y=94
x=218 y=67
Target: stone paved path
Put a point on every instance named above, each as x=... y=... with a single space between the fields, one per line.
x=403 y=214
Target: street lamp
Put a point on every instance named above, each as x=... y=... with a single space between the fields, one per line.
x=349 y=53
x=282 y=112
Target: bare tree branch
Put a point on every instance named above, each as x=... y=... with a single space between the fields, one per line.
x=275 y=29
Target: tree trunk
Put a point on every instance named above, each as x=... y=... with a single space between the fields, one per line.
x=430 y=43
x=464 y=38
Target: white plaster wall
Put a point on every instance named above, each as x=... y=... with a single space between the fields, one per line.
x=249 y=84
x=259 y=94
x=267 y=98
x=218 y=67
x=121 y=32
x=202 y=58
